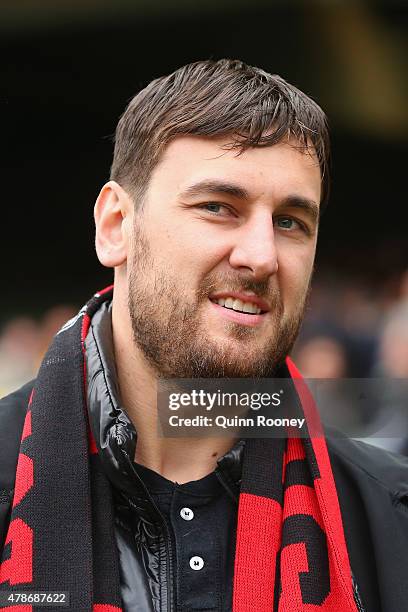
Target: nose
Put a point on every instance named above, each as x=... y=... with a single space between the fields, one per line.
x=255 y=247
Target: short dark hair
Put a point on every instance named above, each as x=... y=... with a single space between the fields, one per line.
x=215 y=98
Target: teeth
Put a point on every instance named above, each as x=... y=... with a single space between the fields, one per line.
x=239 y=305
x=251 y=308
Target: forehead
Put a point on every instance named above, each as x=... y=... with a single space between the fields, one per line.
x=270 y=171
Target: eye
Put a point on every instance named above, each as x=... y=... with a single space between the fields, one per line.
x=288 y=223
x=212 y=207
x=215 y=208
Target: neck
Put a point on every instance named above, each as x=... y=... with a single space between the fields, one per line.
x=178 y=459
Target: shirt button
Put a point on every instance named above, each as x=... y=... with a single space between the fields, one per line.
x=187 y=514
x=196 y=563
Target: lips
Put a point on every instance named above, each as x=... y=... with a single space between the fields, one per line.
x=236 y=316
x=238 y=305
x=241 y=302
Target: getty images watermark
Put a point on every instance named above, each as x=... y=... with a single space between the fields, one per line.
x=271 y=407
x=214 y=407
x=222 y=399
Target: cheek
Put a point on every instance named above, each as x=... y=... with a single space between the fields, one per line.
x=191 y=249
x=294 y=273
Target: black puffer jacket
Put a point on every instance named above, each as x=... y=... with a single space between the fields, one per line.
x=372 y=487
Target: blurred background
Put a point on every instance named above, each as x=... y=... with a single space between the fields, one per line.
x=69 y=69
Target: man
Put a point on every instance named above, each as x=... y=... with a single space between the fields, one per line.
x=210 y=222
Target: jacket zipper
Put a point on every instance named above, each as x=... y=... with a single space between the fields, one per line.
x=225 y=484
x=357 y=597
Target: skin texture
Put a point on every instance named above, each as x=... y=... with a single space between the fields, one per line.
x=183 y=247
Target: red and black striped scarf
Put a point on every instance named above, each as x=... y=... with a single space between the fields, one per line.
x=291 y=554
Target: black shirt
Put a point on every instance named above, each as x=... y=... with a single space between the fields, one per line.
x=201 y=516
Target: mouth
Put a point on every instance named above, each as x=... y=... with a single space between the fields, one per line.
x=246 y=310
x=238 y=305
x=248 y=303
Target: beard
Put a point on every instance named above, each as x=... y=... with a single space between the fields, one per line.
x=171 y=331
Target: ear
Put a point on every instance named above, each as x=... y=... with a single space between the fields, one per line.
x=113 y=215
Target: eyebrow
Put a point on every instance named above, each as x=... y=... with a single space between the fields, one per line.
x=310 y=207
x=215 y=187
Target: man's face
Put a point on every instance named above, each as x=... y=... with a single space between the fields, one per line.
x=219 y=234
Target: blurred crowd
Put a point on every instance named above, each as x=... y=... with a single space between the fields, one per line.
x=23 y=343
x=351 y=331
x=357 y=334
